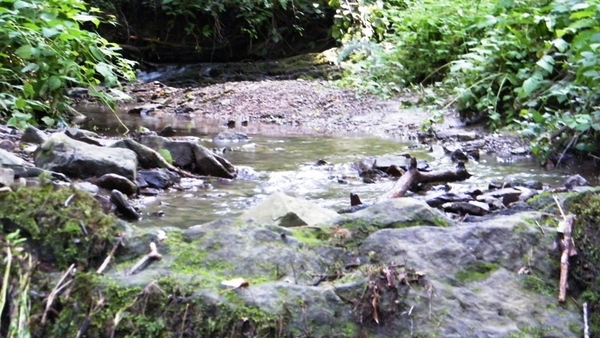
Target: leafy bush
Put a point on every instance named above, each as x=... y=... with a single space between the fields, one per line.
x=538 y=68
x=527 y=64
x=419 y=40
x=44 y=50
x=254 y=19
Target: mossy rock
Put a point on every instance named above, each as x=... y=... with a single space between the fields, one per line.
x=584 y=271
x=63 y=225
x=99 y=307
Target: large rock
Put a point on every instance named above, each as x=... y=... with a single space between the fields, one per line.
x=473 y=270
x=8 y=159
x=77 y=159
x=159 y=178
x=287 y=211
x=395 y=213
x=189 y=155
x=470 y=287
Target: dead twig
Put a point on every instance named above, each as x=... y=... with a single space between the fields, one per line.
x=108 y=258
x=586 y=324
x=539 y=226
x=567 y=250
x=56 y=291
x=147 y=259
x=559 y=206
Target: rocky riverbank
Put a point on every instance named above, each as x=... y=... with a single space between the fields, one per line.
x=471 y=263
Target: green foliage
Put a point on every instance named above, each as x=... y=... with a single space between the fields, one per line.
x=418 y=41
x=584 y=271
x=520 y=63
x=254 y=19
x=65 y=225
x=165 y=307
x=44 y=50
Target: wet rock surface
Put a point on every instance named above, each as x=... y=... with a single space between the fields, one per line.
x=456 y=280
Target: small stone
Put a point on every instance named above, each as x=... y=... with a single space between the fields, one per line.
x=7 y=177
x=7 y=145
x=167 y=131
x=227 y=137
x=34 y=135
x=87 y=187
x=118 y=182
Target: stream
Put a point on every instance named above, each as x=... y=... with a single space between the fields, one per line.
x=287 y=163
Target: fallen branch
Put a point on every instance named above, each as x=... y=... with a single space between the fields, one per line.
x=147 y=259
x=108 y=258
x=414 y=176
x=566 y=245
x=56 y=291
x=586 y=325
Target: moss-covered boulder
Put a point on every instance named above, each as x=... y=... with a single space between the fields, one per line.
x=62 y=225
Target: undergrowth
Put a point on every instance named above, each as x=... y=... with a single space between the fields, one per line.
x=531 y=66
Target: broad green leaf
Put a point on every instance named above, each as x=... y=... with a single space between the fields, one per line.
x=31 y=67
x=54 y=83
x=26 y=52
x=82 y=17
x=547 y=63
x=23 y=4
x=560 y=44
x=28 y=90
x=49 y=32
x=531 y=84
x=106 y=71
x=48 y=121
x=166 y=154
x=96 y=53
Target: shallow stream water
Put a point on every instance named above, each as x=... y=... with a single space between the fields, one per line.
x=286 y=163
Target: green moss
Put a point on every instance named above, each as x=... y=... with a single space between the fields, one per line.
x=311 y=236
x=584 y=270
x=538 y=285
x=65 y=225
x=164 y=308
x=532 y=332
x=476 y=271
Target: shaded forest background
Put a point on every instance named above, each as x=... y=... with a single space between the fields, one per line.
x=528 y=66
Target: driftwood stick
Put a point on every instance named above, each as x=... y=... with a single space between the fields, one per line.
x=559 y=207
x=57 y=289
x=566 y=245
x=414 y=176
x=586 y=324
x=144 y=261
x=108 y=258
